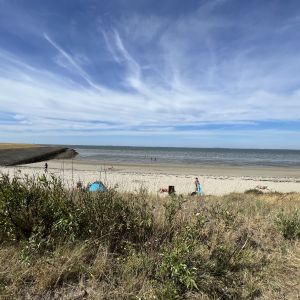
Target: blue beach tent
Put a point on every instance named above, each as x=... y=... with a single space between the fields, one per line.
x=97 y=186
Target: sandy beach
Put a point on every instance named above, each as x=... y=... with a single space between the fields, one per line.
x=216 y=180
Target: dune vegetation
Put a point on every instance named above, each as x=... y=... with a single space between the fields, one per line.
x=72 y=244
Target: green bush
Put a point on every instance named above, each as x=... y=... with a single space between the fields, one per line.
x=177 y=267
x=30 y=206
x=42 y=211
x=114 y=218
x=289 y=224
x=254 y=192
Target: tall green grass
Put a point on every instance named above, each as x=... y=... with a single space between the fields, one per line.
x=70 y=244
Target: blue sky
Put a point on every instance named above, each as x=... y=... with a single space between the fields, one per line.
x=217 y=73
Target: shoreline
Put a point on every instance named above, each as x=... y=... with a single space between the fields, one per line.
x=215 y=180
x=166 y=169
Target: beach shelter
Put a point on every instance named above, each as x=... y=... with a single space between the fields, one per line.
x=97 y=186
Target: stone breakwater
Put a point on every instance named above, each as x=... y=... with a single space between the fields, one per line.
x=18 y=156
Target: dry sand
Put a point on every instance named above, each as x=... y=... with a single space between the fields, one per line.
x=218 y=180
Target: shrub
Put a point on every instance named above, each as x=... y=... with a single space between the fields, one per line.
x=289 y=224
x=30 y=206
x=177 y=267
x=254 y=192
x=42 y=211
x=115 y=218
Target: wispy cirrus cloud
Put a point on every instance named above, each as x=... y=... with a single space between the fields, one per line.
x=134 y=78
x=73 y=63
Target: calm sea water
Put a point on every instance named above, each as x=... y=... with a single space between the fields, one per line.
x=188 y=156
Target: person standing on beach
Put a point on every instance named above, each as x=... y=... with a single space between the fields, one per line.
x=46 y=167
x=196 y=184
x=198 y=187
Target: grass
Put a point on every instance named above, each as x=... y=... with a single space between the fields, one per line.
x=58 y=243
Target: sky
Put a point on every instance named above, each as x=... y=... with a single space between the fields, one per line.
x=206 y=73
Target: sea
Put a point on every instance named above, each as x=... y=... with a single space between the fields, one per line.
x=187 y=156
